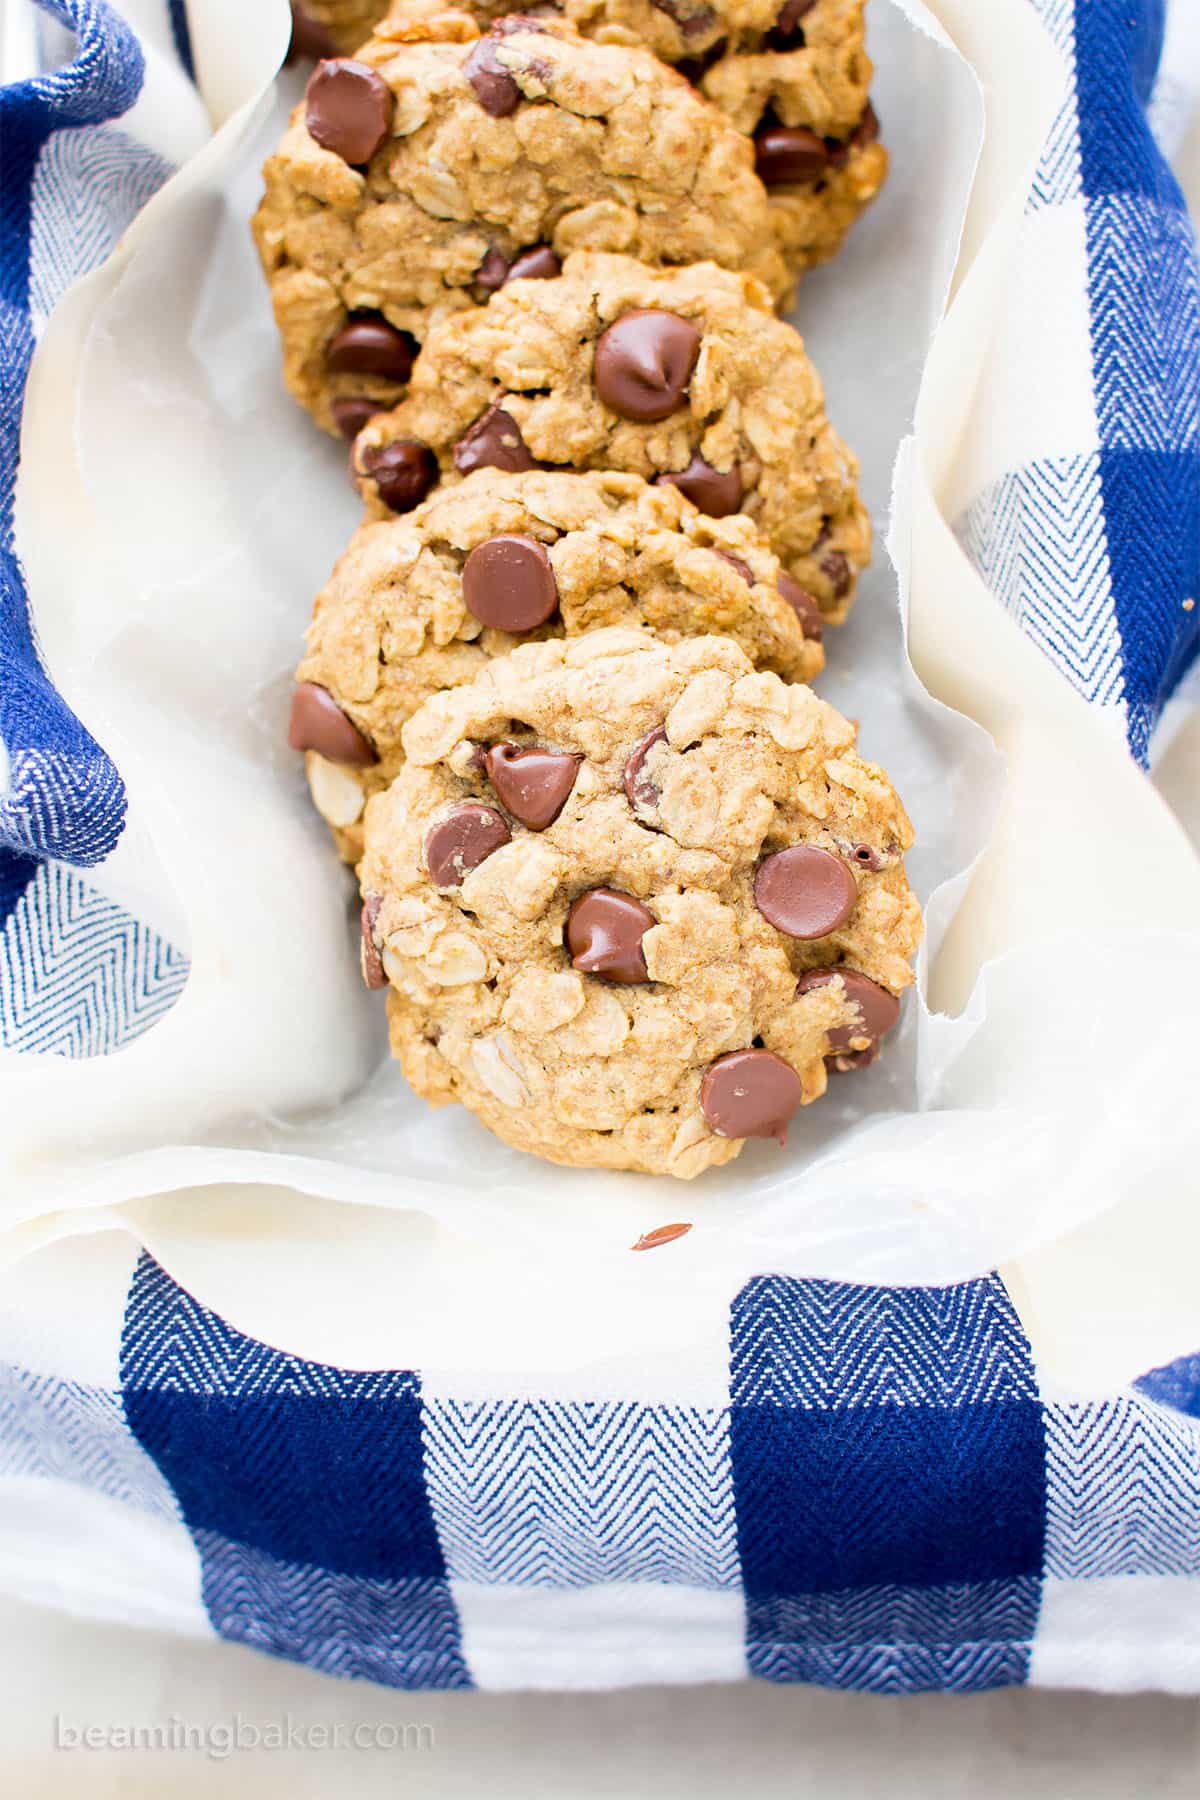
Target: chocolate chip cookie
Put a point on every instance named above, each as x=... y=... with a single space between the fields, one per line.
x=423 y=172
x=678 y=375
x=635 y=901
x=422 y=603
x=795 y=75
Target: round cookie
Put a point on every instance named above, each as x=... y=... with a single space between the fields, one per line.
x=796 y=76
x=421 y=603
x=634 y=900
x=804 y=62
x=679 y=374
x=419 y=173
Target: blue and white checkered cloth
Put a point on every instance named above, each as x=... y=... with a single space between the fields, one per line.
x=886 y=1494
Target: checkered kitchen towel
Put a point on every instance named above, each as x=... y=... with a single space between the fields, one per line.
x=885 y=1494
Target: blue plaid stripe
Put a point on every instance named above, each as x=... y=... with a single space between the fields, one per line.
x=888 y=1472
x=303 y=1486
x=64 y=796
x=1098 y=555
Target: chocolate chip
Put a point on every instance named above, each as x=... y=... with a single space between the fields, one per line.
x=662 y=1234
x=642 y=794
x=533 y=784
x=716 y=492
x=743 y=568
x=368 y=345
x=804 y=891
x=494 y=441
x=492 y=272
x=878 y=1009
x=318 y=723
x=461 y=841
x=403 y=472
x=309 y=40
x=836 y=569
x=508 y=582
x=604 y=934
x=695 y=68
x=495 y=88
x=348 y=109
x=786 y=34
x=750 y=1093
x=644 y=362
x=803 y=605
x=351 y=412
x=788 y=154
x=539 y=263
x=368 y=956
x=867 y=129
x=691 y=24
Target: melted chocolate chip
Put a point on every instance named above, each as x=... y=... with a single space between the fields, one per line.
x=787 y=33
x=641 y=792
x=695 y=68
x=692 y=23
x=643 y=363
x=368 y=345
x=539 y=263
x=742 y=568
x=495 y=88
x=368 y=955
x=348 y=109
x=804 y=891
x=461 y=841
x=836 y=569
x=716 y=492
x=494 y=441
x=877 y=1008
x=318 y=723
x=508 y=582
x=803 y=605
x=533 y=784
x=604 y=934
x=309 y=40
x=787 y=155
x=492 y=272
x=750 y=1093
x=867 y=129
x=351 y=412
x=403 y=472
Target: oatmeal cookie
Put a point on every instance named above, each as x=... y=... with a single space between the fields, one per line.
x=678 y=375
x=422 y=603
x=435 y=164
x=634 y=900
x=795 y=76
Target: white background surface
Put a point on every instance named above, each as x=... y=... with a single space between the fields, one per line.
x=751 y=1740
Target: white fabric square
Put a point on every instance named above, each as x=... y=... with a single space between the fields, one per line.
x=1037 y=400
x=1119 y=1635
x=62 y=1309
x=619 y=1635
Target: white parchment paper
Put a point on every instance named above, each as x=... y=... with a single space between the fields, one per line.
x=211 y=512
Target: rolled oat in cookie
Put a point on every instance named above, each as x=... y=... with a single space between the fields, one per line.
x=682 y=376
x=617 y=895
x=421 y=172
x=795 y=75
x=422 y=602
